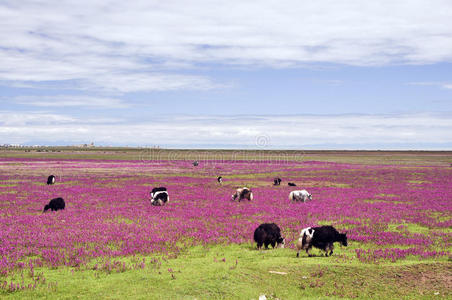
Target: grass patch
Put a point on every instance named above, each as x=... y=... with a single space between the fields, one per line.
x=241 y=272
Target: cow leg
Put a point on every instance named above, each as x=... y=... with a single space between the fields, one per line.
x=307 y=251
x=331 y=249
x=259 y=246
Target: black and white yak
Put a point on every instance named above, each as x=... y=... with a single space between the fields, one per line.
x=302 y=195
x=51 y=179
x=242 y=194
x=268 y=234
x=277 y=181
x=195 y=163
x=322 y=237
x=55 y=204
x=159 y=196
x=291 y=184
x=220 y=179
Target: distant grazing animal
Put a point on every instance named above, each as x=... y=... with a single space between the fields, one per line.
x=55 y=204
x=51 y=179
x=159 y=196
x=242 y=194
x=220 y=179
x=302 y=195
x=321 y=237
x=277 y=181
x=195 y=163
x=291 y=184
x=268 y=234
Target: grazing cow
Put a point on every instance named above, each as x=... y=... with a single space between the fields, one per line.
x=220 y=179
x=55 y=204
x=291 y=184
x=51 y=179
x=268 y=234
x=302 y=195
x=277 y=181
x=195 y=163
x=242 y=194
x=159 y=196
x=321 y=237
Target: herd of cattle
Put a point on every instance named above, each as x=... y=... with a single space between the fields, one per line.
x=266 y=234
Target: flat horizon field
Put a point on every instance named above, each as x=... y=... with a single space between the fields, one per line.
x=111 y=243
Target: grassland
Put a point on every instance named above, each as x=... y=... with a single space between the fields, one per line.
x=225 y=270
x=241 y=272
x=443 y=158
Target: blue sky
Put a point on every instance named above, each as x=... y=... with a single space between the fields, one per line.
x=294 y=74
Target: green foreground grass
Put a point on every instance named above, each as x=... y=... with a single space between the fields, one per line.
x=242 y=272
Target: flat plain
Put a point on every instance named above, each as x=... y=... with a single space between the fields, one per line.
x=109 y=242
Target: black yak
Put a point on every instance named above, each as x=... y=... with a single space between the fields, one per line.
x=291 y=184
x=268 y=234
x=242 y=194
x=277 y=181
x=51 y=179
x=55 y=204
x=159 y=196
x=321 y=237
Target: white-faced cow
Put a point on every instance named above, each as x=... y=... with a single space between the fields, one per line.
x=302 y=195
x=51 y=179
x=268 y=234
x=242 y=194
x=322 y=237
x=159 y=196
x=55 y=204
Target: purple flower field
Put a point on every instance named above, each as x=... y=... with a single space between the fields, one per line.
x=389 y=211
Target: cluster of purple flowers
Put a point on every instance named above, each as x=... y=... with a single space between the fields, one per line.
x=108 y=213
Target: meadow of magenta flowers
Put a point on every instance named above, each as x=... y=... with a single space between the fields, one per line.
x=389 y=211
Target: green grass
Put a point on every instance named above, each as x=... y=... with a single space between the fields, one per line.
x=442 y=158
x=242 y=272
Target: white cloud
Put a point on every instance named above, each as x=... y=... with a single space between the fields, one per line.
x=148 y=45
x=68 y=101
x=444 y=85
x=265 y=132
x=42 y=119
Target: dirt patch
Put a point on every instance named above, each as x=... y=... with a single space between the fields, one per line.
x=427 y=279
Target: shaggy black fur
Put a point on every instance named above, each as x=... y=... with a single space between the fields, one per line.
x=268 y=234
x=55 y=204
x=324 y=237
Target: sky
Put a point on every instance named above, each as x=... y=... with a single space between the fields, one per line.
x=325 y=74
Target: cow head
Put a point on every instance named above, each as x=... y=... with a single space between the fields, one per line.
x=281 y=242
x=234 y=196
x=344 y=239
x=47 y=207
